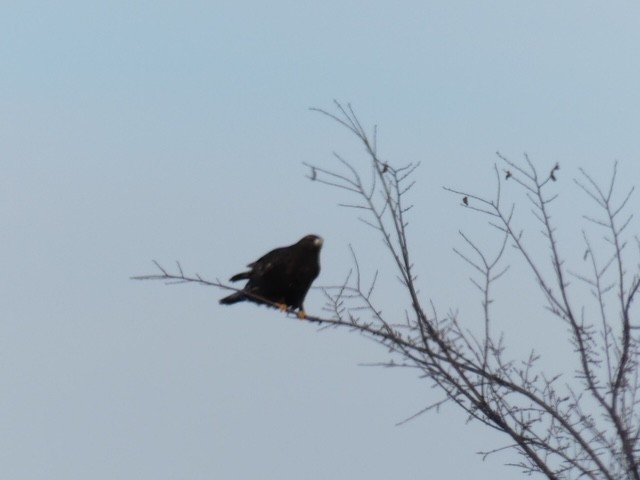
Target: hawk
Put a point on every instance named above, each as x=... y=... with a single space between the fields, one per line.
x=282 y=277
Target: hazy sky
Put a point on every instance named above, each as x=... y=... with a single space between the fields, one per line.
x=140 y=130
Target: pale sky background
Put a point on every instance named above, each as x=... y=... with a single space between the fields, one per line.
x=142 y=130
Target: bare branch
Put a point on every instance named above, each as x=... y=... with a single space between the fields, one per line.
x=582 y=421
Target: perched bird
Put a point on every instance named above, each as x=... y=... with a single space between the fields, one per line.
x=283 y=276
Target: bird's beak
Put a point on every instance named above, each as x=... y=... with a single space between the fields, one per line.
x=318 y=242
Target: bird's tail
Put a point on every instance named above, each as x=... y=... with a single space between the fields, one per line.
x=233 y=298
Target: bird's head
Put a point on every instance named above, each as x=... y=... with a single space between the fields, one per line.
x=312 y=241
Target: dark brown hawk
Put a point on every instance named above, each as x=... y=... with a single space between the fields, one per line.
x=282 y=277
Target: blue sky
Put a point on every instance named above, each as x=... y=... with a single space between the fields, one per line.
x=140 y=130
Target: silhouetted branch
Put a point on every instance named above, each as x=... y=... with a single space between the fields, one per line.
x=565 y=424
